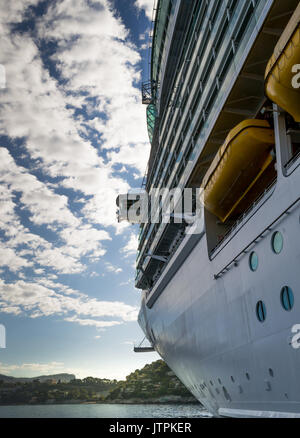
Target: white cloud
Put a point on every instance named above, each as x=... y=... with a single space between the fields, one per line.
x=145 y=35
x=14 y=11
x=32 y=369
x=100 y=70
x=77 y=17
x=147 y=6
x=9 y=258
x=135 y=156
x=145 y=46
x=45 y=298
x=112 y=268
x=39 y=271
x=14 y=310
x=128 y=343
x=127 y=283
x=131 y=247
x=103 y=64
x=93 y=322
x=46 y=208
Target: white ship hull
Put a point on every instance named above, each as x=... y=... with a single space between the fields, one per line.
x=221 y=324
x=207 y=330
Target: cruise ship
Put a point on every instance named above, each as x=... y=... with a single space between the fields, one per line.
x=221 y=301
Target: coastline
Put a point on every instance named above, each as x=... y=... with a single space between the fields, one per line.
x=135 y=401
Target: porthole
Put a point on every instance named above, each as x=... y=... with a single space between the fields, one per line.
x=287 y=298
x=268 y=387
x=226 y=394
x=277 y=242
x=261 y=311
x=253 y=261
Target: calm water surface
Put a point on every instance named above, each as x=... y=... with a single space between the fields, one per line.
x=103 y=411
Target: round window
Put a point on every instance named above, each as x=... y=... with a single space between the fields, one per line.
x=277 y=242
x=261 y=311
x=287 y=298
x=253 y=261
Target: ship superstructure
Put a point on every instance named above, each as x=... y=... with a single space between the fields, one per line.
x=221 y=305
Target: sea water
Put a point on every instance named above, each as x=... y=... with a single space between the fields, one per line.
x=104 y=411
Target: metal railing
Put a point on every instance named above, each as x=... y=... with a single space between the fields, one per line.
x=146 y=93
x=234 y=261
x=246 y=215
x=293 y=160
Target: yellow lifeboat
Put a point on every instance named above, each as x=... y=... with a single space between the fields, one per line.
x=281 y=83
x=243 y=164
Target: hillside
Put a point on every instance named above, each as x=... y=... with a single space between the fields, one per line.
x=52 y=391
x=55 y=378
x=153 y=383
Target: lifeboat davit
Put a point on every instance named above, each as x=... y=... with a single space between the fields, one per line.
x=281 y=80
x=242 y=165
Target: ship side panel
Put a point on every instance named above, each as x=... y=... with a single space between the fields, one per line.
x=208 y=332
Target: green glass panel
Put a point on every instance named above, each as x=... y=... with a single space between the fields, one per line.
x=151 y=117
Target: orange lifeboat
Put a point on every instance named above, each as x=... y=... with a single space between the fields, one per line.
x=281 y=83
x=235 y=176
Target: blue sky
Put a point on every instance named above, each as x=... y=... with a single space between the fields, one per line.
x=72 y=137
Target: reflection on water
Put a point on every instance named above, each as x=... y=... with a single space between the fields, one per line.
x=103 y=411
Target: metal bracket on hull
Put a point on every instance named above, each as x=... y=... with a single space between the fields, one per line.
x=141 y=349
x=157 y=257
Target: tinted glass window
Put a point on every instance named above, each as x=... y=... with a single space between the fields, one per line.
x=261 y=311
x=253 y=261
x=277 y=242
x=287 y=298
